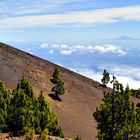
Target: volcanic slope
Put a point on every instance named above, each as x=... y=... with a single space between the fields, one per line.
x=81 y=98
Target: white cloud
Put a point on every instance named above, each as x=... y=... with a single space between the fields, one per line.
x=51 y=52
x=64 y=46
x=110 y=49
x=110 y=15
x=44 y=45
x=89 y=73
x=29 y=49
x=122 y=70
x=66 y=52
x=69 y=49
x=135 y=84
x=15 y=8
x=127 y=71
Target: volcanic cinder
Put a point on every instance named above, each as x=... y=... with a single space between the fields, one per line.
x=81 y=97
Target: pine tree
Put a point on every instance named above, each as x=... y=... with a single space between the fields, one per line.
x=47 y=118
x=29 y=115
x=22 y=108
x=106 y=78
x=116 y=115
x=58 y=87
x=5 y=95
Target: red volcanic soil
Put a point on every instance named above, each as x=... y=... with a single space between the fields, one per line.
x=82 y=96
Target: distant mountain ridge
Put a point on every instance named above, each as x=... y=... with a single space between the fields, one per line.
x=125 y=38
x=82 y=96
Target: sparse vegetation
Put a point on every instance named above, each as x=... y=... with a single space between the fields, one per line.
x=21 y=113
x=58 y=88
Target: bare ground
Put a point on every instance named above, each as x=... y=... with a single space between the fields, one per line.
x=5 y=136
x=82 y=95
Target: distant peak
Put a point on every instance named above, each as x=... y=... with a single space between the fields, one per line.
x=125 y=38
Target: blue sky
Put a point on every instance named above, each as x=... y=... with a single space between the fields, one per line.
x=83 y=35
x=74 y=19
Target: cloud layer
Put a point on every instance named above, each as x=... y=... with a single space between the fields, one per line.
x=65 y=49
x=123 y=70
x=98 y=16
x=124 y=79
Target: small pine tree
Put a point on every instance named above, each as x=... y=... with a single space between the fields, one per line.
x=47 y=118
x=21 y=111
x=58 y=87
x=106 y=78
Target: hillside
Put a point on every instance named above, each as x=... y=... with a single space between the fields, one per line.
x=82 y=95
